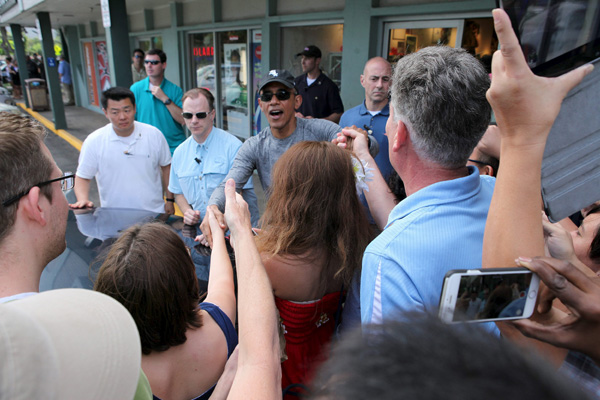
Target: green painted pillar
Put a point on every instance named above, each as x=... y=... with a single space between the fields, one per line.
x=78 y=73
x=359 y=45
x=51 y=65
x=20 y=56
x=117 y=39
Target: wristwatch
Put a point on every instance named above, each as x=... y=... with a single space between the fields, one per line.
x=167 y=102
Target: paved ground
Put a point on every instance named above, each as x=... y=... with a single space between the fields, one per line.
x=65 y=144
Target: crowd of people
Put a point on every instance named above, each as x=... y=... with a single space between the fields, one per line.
x=335 y=288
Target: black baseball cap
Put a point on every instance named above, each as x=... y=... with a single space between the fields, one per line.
x=278 y=75
x=310 y=51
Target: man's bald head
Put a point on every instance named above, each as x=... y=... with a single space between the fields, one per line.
x=376 y=79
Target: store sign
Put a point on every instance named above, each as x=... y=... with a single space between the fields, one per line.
x=234 y=38
x=105 y=13
x=203 y=51
x=6 y=5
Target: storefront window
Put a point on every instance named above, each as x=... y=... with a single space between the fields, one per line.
x=406 y=41
x=203 y=61
x=234 y=82
x=475 y=35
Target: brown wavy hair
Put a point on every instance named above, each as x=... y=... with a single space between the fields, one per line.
x=313 y=209
x=150 y=272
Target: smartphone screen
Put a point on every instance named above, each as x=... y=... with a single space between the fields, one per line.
x=486 y=295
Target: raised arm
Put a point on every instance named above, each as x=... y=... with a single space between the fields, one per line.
x=525 y=106
x=380 y=198
x=259 y=369
x=241 y=170
x=221 y=290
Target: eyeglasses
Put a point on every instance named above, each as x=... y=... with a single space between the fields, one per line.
x=280 y=94
x=153 y=62
x=137 y=56
x=479 y=162
x=67 y=181
x=200 y=115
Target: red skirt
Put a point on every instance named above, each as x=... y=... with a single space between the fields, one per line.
x=308 y=329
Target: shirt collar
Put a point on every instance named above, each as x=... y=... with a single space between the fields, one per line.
x=115 y=137
x=439 y=193
x=384 y=111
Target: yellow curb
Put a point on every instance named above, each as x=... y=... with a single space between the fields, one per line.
x=72 y=140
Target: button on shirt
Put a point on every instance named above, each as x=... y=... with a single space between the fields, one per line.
x=197 y=180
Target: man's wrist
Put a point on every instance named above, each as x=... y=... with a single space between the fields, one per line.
x=167 y=101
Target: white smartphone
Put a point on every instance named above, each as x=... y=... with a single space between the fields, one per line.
x=494 y=294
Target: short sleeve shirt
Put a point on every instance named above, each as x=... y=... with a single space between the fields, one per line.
x=320 y=99
x=152 y=111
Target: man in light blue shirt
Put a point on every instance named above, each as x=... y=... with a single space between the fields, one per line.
x=201 y=162
x=438 y=113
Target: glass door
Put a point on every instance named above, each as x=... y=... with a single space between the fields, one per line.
x=234 y=82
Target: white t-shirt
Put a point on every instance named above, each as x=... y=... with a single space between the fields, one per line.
x=127 y=170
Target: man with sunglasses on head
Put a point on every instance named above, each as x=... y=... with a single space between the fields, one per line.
x=159 y=100
x=278 y=101
x=130 y=160
x=204 y=159
x=33 y=208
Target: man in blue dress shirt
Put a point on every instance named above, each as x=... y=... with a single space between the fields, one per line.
x=438 y=113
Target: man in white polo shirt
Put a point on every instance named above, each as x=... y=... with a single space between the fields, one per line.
x=130 y=160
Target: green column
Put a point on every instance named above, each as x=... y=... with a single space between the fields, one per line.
x=117 y=39
x=20 y=56
x=360 y=41
x=78 y=72
x=56 y=103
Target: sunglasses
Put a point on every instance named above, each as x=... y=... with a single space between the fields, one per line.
x=200 y=115
x=153 y=62
x=280 y=94
x=137 y=56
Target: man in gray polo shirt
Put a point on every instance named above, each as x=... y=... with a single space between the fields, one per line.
x=278 y=101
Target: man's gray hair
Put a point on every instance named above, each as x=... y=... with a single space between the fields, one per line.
x=439 y=93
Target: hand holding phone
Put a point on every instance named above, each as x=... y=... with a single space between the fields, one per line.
x=494 y=294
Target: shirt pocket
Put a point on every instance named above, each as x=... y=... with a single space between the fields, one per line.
x=214 y=173
x=189 y=182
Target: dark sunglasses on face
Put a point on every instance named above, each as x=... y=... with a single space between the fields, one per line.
x=153 y=62
x=200 y=115
x=280 y=94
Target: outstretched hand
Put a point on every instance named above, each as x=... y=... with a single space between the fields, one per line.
x=205 y=225
x=237 y=214
x=579 y=330
x=525 y=105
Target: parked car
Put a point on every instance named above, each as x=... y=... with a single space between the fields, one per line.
x=91 y=232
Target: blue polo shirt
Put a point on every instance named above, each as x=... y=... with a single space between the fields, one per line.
x=197 y=180
x=360 y=117
x=432 y=231
x=152 y=111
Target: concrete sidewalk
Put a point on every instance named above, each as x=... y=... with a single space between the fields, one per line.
x=80 y=121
